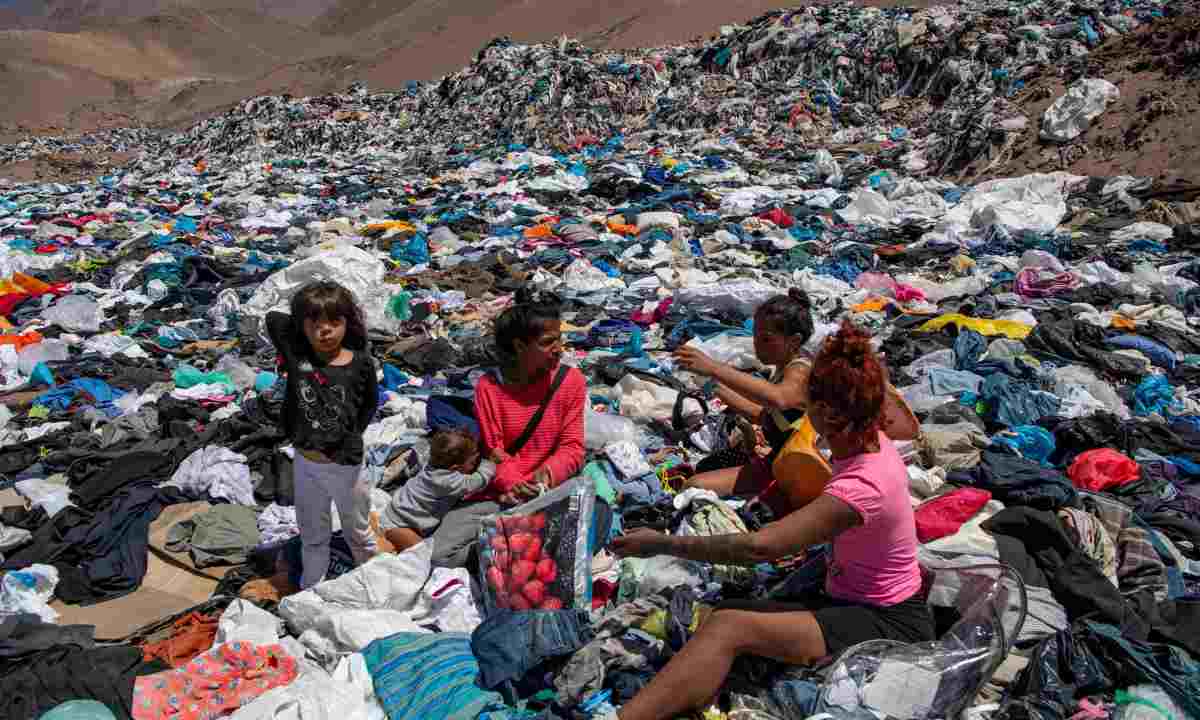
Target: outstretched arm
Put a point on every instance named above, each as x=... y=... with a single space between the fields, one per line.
x=791 y=392
x=820 y=521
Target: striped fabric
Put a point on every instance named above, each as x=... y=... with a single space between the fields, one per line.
x=429 y=677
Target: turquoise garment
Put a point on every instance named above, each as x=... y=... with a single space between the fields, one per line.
x=1031 y=441
x=419 y=676
x=186 y=376
x=80 y=710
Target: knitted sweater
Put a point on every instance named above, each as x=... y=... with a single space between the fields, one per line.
x=504 y=410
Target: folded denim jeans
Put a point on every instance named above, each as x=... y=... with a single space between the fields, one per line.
x=509 y=643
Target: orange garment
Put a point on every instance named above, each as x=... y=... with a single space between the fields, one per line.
x=539 y=231
x=22 y=340
x=871 y=305
x=193 y=634
x=1123 y=323
x=621 y=228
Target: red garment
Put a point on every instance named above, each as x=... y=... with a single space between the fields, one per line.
x=1100 y=469
x=945 y=514
x=779 y=217
x=649 y=318
x=504 y=410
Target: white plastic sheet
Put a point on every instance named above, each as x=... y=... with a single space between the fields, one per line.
x=1034 y=202
x=1069 y=116
x=361 y=272
x=75 y=313
x=348 y=693
x=644 y=400
x=29 y=591
x=600 y=429
x=374 y=600
x=740 y=296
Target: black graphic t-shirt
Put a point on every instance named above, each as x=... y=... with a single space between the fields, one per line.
x=326 y=407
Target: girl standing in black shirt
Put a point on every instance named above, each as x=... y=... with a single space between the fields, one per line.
x=332 y=394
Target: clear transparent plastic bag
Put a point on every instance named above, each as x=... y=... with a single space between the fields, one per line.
x=538 y=555
x=600 y=429
x=939 y=679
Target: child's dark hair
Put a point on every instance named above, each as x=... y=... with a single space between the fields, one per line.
x=848 y=378
x=327 y=300
x=789 y=314
x=523 y=319
x=448 y=448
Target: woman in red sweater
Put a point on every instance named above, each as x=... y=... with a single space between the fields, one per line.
x=529 y=343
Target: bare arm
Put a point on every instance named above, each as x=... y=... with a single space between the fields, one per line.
x=739 y=404
x=791 y=392
x=820 y=521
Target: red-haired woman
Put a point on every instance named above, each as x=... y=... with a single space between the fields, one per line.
x=873 y=583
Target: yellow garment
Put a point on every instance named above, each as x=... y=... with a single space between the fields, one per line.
x=962 y=264
x=655 y=624
x=388 y=225
x=1007 y=328
x=801 y=472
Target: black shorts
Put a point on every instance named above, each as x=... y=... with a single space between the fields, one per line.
x=845 y=624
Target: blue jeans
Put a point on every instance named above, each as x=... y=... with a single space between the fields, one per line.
x=509 y=644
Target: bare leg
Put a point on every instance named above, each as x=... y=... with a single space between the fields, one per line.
x=695 y=675
x=739 y=480
x=402 y=539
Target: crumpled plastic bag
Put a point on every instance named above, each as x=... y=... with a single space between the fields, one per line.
x=343 y=609
x=361 y=273
x=1035 y=202
x=29 y=591
x=739 y=296
x=1069 y=116
x=645 y=400
x=729 y=349
x=75 y=313
x=582 y=276
x=600 y=429
x=1102 y=468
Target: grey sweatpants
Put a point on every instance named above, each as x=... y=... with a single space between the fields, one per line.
x=345 y=485
x=459 y=530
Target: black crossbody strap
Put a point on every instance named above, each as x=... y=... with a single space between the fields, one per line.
x=536 y=420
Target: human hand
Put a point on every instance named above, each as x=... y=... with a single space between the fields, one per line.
x=641 y=543
x=520 y=494
x=689 y=358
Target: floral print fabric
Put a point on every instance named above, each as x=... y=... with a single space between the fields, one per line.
x=213 y=684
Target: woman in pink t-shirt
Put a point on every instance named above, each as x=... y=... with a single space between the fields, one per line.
x=872 y=588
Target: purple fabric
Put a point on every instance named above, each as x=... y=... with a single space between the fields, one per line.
x=1037 y=283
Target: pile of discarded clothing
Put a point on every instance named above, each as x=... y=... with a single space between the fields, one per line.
x=1044 y=329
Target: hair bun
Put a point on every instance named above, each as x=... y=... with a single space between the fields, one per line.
x=800 y=297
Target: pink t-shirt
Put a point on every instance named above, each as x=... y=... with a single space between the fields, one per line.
x=876 y=562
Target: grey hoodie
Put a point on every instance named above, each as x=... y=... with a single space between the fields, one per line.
x=423 y=501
